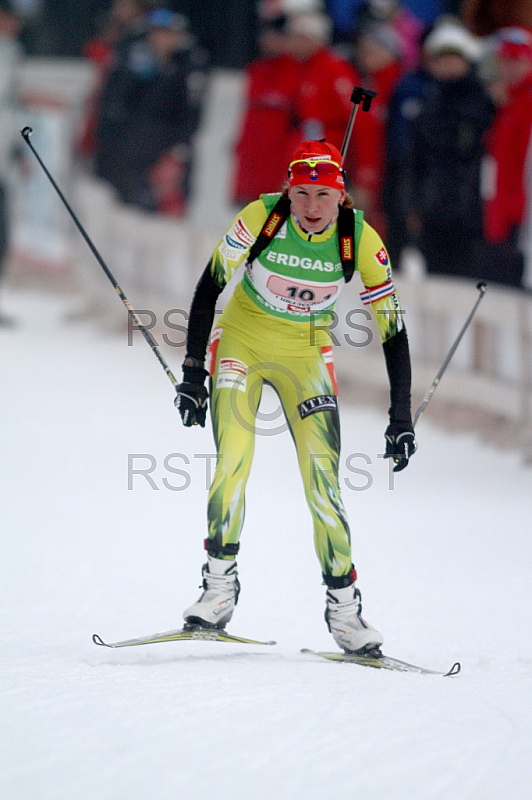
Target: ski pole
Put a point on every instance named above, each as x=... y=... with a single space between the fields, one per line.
x=26 y=133
x=358 y=96
x=482 y=291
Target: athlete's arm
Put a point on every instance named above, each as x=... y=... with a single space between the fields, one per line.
x=379 y=292
x=202 y=314
x=397 y=357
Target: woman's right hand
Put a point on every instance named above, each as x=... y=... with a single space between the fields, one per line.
x=192 y=394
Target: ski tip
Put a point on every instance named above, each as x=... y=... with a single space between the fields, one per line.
x=455 y=669
x=98 y=640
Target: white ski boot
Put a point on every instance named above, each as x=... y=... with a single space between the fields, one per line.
x=221 y=588
x=343 y=616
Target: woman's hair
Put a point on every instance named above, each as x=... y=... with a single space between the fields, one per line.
x=348 y=200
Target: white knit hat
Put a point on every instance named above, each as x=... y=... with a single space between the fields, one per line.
x=301 y=6
x=269 y=9
x=312 y=24
x=452 y=38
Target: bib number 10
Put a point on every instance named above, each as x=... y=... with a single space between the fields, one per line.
x=301 y=294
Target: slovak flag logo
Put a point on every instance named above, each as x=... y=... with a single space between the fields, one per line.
x=382 y=256
x=314 y=175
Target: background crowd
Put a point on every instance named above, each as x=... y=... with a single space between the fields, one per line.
x=442 y=163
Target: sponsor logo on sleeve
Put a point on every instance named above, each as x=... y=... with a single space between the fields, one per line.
x=237 y=240
x=230 y=253
x=234 y=243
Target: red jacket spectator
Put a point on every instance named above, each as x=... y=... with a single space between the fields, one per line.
x=509 y=141
x=266 y=126
x=322 y=104
x=378 y=52
x=100 y=52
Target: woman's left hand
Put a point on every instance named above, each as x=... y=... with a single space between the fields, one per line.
x=400 y=443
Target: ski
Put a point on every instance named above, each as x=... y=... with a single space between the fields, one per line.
x=196 y=634
x=380 y=661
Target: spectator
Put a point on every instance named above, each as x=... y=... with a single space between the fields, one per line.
x=10 y=55
x=407 y=26
x=447 y=150
x=114 y=31
x=117 y=30
x=378 y=56
x=150 y=111
x=100 y=49
x=508 y=197
x=404 y=107
x=114 y=93
x=271 y=82
x=322 y=104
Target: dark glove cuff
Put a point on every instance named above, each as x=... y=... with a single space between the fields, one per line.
x=400 y=412
x=195 y=375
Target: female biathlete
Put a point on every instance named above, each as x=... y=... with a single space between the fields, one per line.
x=270 y=332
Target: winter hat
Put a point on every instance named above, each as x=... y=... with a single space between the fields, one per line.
x=515 y=43
x=385 y=36
x=317 y=162
x=313 y=24
x=269 y=9
x=164 y=18
x=452 y=38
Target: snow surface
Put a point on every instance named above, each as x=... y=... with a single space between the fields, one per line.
x=444 y=561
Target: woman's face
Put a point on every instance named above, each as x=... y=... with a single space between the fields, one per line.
x=315 y=206
x=448 y=66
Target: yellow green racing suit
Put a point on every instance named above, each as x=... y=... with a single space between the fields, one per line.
x=273 y=331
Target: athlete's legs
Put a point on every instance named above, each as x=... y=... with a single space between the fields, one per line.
x=310 y=405
x=235 y=396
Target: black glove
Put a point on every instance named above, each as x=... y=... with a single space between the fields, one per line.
x=191 y=400
x=400 y=443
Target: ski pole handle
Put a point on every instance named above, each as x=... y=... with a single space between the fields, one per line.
x=358 y=96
